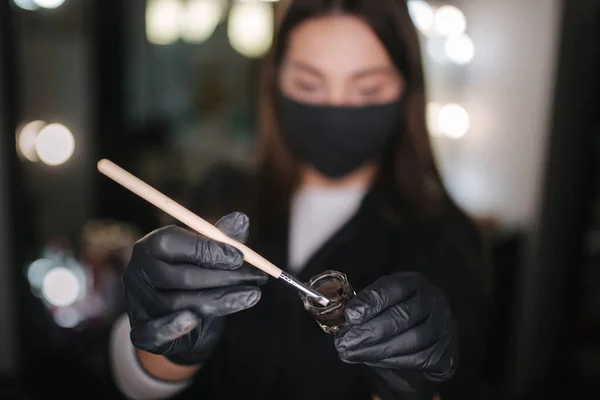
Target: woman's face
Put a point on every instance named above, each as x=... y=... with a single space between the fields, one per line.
x=338 y=60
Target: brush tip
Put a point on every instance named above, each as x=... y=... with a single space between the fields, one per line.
x=324 y=301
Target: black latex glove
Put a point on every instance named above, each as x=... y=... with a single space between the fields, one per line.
x=401 y=326
x=179 y=286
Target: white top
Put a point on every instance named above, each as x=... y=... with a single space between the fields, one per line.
x=316 y=215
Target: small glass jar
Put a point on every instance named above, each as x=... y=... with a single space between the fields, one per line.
x=335 y=286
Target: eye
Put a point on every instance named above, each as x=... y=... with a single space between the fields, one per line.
x=306 y=86
x=370 y=91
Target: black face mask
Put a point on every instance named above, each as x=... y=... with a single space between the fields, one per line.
x=338 y=140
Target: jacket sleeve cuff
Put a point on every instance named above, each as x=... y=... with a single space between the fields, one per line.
x=131 y=378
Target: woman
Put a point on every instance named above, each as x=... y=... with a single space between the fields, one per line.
x=346 y=182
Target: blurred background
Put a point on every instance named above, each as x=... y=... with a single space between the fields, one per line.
x=168 y=88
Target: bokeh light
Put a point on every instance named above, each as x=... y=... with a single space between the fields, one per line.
x=37 y=270
x=26 y=4
x=60 y=287
x=162 y=21
x=449 y=21
x=250 y=28
x=199 y=19
x=55 y=144
x=422 y=15
x=460 y=49
x=67 y=317
x=49 y=3
x=453 y=121
x=433 y=111
x=26 y=139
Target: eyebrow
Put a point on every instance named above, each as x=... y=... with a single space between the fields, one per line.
x=357 y=75
x=373 y=71
x=307 y=68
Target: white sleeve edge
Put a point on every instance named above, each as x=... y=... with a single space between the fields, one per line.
x=130 y=377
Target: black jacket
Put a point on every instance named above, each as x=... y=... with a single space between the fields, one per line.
x=276 y=350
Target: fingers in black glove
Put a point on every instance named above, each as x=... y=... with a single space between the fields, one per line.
x=179 y=285
x=401 y=322
x=191 y=263
x=235 y=225
x=162 y=331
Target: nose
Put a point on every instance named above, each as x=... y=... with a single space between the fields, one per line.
x=336 y=95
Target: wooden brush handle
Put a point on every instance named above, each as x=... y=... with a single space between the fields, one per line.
x=177 y=211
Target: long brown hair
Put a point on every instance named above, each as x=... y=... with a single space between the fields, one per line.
x=408 y=185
